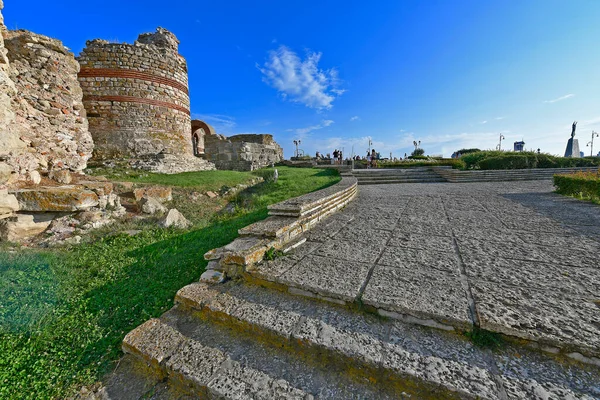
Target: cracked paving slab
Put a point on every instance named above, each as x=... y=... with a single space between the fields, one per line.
x=422 y=292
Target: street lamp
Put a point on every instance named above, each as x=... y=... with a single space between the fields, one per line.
x=499 y=147
x=591 y=144
x=297 y=142
x=416 y=144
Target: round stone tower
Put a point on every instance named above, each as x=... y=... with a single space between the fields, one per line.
x=137 y=103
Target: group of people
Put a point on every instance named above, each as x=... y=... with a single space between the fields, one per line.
x=337 y=158
x=372 y=159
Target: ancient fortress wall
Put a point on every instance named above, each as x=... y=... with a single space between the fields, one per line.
x=9 y=139
x=42 y=120
x=138 y=104
x=49 y=112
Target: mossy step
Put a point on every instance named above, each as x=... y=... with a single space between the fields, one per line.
x=202 y=370
x=415 y=359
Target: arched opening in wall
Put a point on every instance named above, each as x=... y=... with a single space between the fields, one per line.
x=198 y=142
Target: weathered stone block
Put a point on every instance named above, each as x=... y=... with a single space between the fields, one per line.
x=62 y=198
x=175 y=219
x=23 y=226
x=8 y=203
x=160 y=193
x=150 y=205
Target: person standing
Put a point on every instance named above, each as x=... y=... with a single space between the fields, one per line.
x=373 y=159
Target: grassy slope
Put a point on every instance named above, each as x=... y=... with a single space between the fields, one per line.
x=63 y=314
x=206 y=180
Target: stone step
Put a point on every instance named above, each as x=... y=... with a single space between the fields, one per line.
x=195 y=369
x=400 y=357
x=506 y=175
x=402 y=180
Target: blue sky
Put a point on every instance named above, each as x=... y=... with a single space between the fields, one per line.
x=451 y=74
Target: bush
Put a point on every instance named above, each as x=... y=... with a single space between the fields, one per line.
x=462 y=152
x=454 y=163
x=584 y=185
x=521 y=160
x=418 y=152
x=417 y=157
x=505 y=162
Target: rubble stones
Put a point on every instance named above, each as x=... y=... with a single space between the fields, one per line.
x=61 y=176
x=174 y=219
x=8 y=203
x=149 y=205
x=22 y=226
x=159 y=193
x=35 y=177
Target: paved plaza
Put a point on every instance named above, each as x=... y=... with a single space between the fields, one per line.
x=511 y=257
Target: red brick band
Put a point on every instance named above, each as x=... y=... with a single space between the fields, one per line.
x=130 y=74
x=131 y=99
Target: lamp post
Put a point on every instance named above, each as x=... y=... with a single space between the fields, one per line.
x=591 y=144
x=297 y=142
x=370 y=144
x=500 y=142
x=416 y=144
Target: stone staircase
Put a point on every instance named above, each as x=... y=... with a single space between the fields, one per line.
x=457 y=176
x=243 y=341
x=397 y=175
x=268 y=334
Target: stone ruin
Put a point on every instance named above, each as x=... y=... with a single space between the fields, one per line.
x=138 y=105
x=245 y=152
x=115 y=104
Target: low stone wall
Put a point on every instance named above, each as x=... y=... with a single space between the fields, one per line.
x=455 y=176
x=242 y=152
x=288 y=220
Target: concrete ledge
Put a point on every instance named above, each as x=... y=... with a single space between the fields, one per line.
x=456 y=176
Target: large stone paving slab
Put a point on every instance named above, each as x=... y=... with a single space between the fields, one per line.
x=418 y=291
x=328 y=277
x=401 y=257
x=544 y=316
x=535 y=275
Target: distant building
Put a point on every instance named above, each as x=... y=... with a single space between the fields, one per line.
x=518 y=146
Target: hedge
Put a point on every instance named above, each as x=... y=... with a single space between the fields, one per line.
x=487 y=160
x=584 y=185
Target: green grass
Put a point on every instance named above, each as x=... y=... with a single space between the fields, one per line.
x=205 y=180
x=64 y=313
x=485 y=339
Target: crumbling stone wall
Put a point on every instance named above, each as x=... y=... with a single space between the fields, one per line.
x=10 y=144
x=49 y=115
x=137 y=102
x=242 y=152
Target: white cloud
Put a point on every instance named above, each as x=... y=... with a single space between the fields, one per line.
x=299 y=80
x=498 y=118
x=567 y=96
x=303 y=131
x=484 y=122
x=355 y=118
